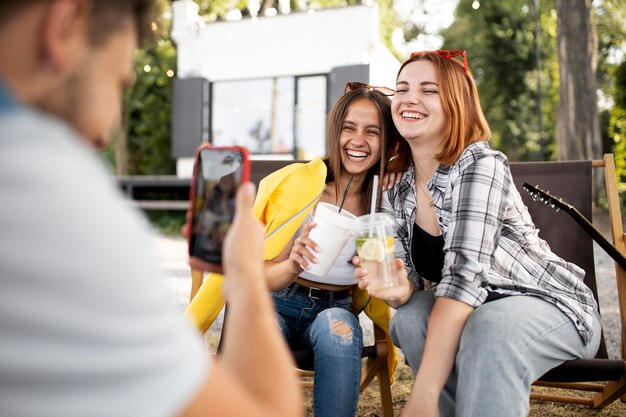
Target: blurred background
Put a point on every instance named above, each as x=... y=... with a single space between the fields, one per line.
x=263 y=74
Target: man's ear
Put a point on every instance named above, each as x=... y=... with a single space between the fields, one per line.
x=65 y=33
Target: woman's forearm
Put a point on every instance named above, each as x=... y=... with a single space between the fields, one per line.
x=279 y=274
x=446 y=323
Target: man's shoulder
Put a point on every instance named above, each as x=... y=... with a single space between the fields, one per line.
x=28 y=122
x=33 y=144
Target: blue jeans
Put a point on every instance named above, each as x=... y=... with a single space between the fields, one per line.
x=334 y=333
x=505 y=346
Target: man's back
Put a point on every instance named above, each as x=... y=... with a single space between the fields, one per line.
x=86 y=328
x=74 y=261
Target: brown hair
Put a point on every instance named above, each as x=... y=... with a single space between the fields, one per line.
x=388 y=138
x=105 y=15
x=465 y=120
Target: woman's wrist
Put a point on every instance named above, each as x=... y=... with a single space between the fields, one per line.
x=412 y=288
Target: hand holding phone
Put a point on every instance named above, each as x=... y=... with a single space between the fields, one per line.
x=243 y=250
x=218 y=173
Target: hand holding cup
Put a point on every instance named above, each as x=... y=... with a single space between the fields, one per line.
x=395 y=295
x=332 y=231
x=302 y=252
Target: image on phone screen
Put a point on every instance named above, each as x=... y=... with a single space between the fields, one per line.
x=218 y=174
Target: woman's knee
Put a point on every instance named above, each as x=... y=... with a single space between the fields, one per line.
x=338 y=327
x=489 y=335
x=517 y=332
x=412 y=317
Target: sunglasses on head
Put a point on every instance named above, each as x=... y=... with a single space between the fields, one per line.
x=355 y=85
x=447 y=54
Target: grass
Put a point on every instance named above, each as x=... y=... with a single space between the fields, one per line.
x=167 y=222
x=369 y=401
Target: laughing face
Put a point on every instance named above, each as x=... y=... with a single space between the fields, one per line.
x=360 y=137
x=416 y=107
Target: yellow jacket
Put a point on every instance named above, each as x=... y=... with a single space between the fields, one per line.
x=283 y=201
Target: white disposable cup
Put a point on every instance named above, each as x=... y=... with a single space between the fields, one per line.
x=332 y=231
x=377 y=230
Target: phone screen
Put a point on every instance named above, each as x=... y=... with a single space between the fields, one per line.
x=218 y=174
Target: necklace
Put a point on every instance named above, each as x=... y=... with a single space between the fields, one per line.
x=429 y=198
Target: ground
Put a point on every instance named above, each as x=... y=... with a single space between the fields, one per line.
x=173 y=261
x=369 y=401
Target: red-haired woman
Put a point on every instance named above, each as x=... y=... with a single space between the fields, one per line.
x=504 y=309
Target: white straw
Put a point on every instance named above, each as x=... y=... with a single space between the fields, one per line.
x=373 y=208
x=374 y=194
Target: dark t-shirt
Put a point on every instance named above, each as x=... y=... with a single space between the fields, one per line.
x=427 y=255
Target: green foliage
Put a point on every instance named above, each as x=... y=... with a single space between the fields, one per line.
x=217 y=9
x=169 y=222
x=617 y=123
x=498 y=37
x=610 y=18
x=213 y=10
x=499 y=41
x=108 y=154
x=148 y=110
x=389 y=20
x=324 y=4
x=146 y=115
x=142 y=146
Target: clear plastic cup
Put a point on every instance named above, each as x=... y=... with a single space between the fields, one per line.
x=332 y=231
x=373 y=235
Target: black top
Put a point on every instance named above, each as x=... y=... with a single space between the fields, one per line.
x=427 y=254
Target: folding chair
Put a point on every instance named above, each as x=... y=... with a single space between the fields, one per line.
x=572 y=181
x=375 y=355
x=375 y=364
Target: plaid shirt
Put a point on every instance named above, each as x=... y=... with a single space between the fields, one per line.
x=490 y=240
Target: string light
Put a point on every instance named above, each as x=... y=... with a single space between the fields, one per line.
x=170 y=73
x=147 y=68
x=475 y=4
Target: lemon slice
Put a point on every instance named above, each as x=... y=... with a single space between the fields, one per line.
x=389 y=245
x=373 y=250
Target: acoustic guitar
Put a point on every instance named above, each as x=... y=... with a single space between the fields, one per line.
x=557 y=203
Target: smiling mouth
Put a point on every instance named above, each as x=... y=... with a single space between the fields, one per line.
x=356 y=154
x=413 y=115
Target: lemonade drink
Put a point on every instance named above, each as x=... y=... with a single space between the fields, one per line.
x=375 y=246
x=377 y=256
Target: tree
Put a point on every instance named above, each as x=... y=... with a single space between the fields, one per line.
x=578 y=126
x=147 y=110
x=499 y=40
x=610 y=19
x=142 y=144
x=617 y=123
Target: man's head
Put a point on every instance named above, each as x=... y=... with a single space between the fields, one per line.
x=72 y=58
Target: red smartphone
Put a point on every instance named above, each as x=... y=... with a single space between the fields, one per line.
x=218 y=172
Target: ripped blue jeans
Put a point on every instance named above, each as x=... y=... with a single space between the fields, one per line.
x=333 y=332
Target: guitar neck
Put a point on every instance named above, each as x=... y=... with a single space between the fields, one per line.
x=596 y=235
